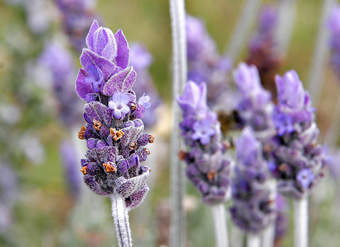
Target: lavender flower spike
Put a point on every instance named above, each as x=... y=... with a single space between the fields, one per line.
x=207 y=165
x=254 y=107
x=114 y=131
x=254 y=206
x=299 y=161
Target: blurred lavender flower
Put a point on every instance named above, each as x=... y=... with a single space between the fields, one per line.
x=207 y=166
x=114 y=131
x=59 y=61
x=334 y=43
x=77 y=16
x=71 y=170
x=204 y=62
x=140 y=60
x=8 y=195
x=298 y=160
x=263 y=51
x=253 y=207
x=254 y=108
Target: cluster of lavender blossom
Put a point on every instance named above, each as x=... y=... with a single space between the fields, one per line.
x=207 y=165
x=253 y=206
x=59 y=62
x=254 y=107
x=204 y=62
x=298 y=161
x=334 y=42
x=263 y=51
x=114 y=131
x=77 y=16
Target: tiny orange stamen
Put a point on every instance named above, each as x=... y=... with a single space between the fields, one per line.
x=182 y=155
x=97 y=124
x=151 y=139
x=84 y=170
x=81 y=133
x=283 y=167
x=133 y=145
x=147 y=151
x=116 y=135
x=109 y=167
x=211 y=175
x=133 y=106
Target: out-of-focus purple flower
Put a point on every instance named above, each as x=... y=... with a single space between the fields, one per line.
x=114 y=131
x=140 y=60
x=71 y=168
x=334 y=42
x=8 y=195
x=263 y=52
x=59 y=61
x=294 y=105
x=77 y=16
x=333 y=163
x=298 y=161
x=253 y=206
x=254 y=107
x=204 y=62
x=207 y=166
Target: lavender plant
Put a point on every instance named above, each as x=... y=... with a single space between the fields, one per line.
x=114 y=131
x=207 y=164
x=204 y=62
x=254 y=106
x=263 y=48
x=77 y=16
x=298 y=161
x=253 y=208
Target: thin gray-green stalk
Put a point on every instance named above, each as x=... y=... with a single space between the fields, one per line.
x=177 y=228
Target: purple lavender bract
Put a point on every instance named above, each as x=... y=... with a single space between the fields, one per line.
x=253 y=206
x=114 y=131
x=298 y=160
x=207 y=166
x=254 y=108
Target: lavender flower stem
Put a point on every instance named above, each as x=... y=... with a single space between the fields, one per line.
x=177 y=228
x=268 y=234
x=301 y=222
x=287 y=9
x=319 y=57
x=253 y=240
x=121 y=221
x=242 y=28
x=332 y=134
x=219 y=217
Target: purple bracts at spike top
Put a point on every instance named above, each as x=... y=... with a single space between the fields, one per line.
x=298 y=161
x=114 y=131
x=207 y=166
